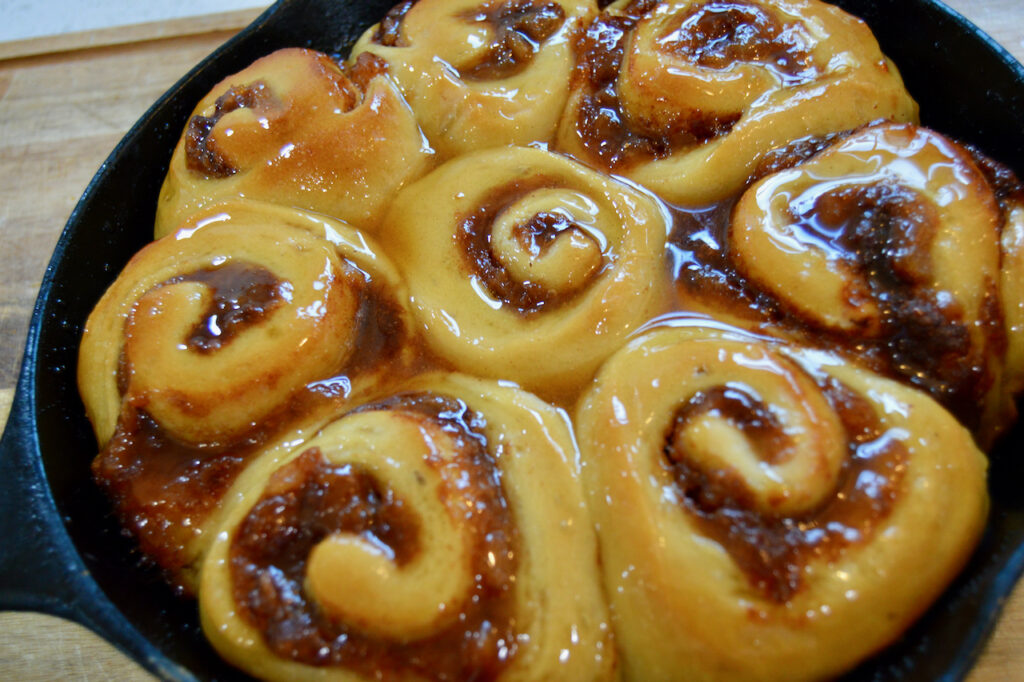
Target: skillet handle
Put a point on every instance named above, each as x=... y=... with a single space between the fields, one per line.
x=38 y=569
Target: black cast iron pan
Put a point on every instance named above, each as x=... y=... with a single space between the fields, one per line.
x=61 y=551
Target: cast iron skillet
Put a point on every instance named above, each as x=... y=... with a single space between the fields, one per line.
x=61 y=552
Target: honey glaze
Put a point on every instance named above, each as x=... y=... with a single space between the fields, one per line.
x=770 y=549
x=309 y=499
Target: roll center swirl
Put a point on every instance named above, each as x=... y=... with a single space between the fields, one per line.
x=242 y=295
x=717 y=35
x=518 y=27
x=329 y=563
x=201 y=153
x=532 y=247
x=770 y=547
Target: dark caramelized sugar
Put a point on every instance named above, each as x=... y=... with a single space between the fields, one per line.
x=381 y=330
x=473 y=238
x=201 y=155
x=717 y=35
x=883 y=232
x=389 y=31
x=1007 y=186
x=311 y=499
x=165 y=489
x=538 y=234
x=519 y=28
x=772 y=550
x=242 y=295
x=794 y=153
x=601 y=124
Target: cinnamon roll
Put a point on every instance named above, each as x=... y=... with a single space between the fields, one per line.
x=524 y=265
x=685 y=96
x=887 y=246
x=767 y=512
x=437 y=534
x=481 y=73
x=297 y=129
x=217 y=339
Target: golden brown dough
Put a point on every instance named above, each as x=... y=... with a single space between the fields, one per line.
x=440 y=533
x=296 y=129
x=767 y=512
x=685 y=96
x=481 y=73
x=527 y=266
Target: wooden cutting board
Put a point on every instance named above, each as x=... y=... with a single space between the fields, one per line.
x=64 y=104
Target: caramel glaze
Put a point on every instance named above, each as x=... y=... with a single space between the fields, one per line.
x=163 y=488
x=881 y=231
x=772 y=550
x=519 y=28
x=389 y=30
x=310 y=499
x=242 y=296
x=715 y=34
x=718 y=34
x=202 y=155
x=473 y=238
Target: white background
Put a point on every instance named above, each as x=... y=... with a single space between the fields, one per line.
x=32 y=18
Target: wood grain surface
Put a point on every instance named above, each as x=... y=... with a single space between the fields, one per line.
x=61 y=112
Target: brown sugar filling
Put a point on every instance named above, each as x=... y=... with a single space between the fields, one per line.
x=772 y=550
x=519 y=27
x=311 y=498
x=473 y=239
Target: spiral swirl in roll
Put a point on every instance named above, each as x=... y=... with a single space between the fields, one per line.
x=527 y=266
x=297 y=129
x=481 y=73
x=685 y=96
x=440 y=533
x=768 y=512
x=205 y=345
x=888 y=244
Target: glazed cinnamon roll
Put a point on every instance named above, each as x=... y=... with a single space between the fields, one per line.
x=527 y=266
x=297 y=129
x=481 y=73
x=768 y=512
x=437 y=534
x=685 y=96
x=215 y=340
x=887 y=246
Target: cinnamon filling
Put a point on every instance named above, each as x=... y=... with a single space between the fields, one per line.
x=773 y=550
x=473 y=238
x=519 y=28
x=311 y=498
